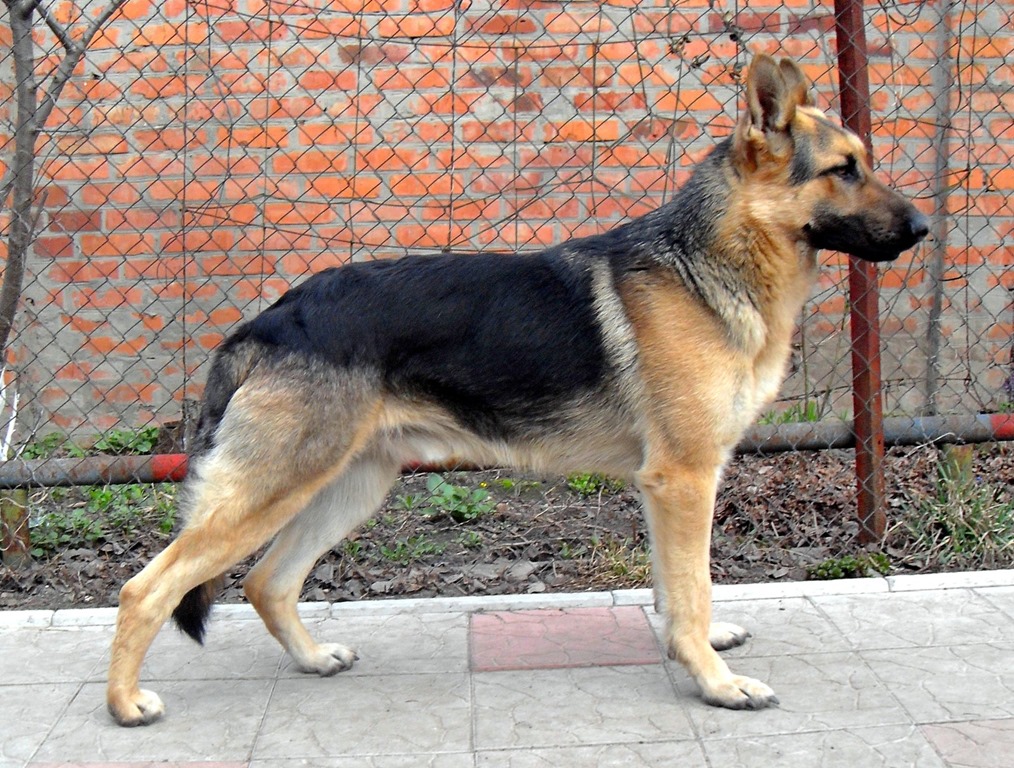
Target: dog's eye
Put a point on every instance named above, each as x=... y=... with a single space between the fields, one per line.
x=847 y=171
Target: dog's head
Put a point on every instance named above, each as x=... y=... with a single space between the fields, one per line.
x=813 y=174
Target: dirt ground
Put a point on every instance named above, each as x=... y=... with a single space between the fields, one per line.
x=781 y=517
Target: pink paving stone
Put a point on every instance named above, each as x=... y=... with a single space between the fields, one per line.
x=555 y=638
x=973 y=744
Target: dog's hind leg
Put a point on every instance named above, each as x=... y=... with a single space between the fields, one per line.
x=232 y=529
x=274 y=451
x=273 y=586
x=679 y=499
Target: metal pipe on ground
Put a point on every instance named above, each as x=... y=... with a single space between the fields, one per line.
x=809 y=436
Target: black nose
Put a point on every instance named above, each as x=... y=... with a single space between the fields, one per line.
x=919 y=226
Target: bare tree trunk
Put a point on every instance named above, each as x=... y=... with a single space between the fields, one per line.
x=22 y=166
x=29 y=122
x=19 y=183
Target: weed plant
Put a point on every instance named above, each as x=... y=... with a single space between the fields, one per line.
x=587 y=485
x=968 y=522
x=623 y=561
x=457 y=502
x=405 y=551
x=851 y=567
x=104 y=511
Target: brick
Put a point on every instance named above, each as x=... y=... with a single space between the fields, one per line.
x=286 y=240
x=170 y=138
x=308 y=161
x=75 y=221
x=437 y=235
x=54 y=247
x=139 y=219
x=79 y=271
x=107 y=346
x=268 y=137
x=116 y=244
x=322 y=80
x=301 y=212
x=225 y=315
x=415 y=26
x=358 y=187
x=337 y=135
x=197 y=240
x=269 y=289
x=150 y=322
x=574 y=21
x=326 y=27
x=160 y=35
x=237 y=265
x=583 y=130
x=409 y=78
x=105 y=298
x=292 y=105
x=505 y=24
x=92 y=144
x=425 y=185
x=177 y=289
x=443 y=104
x=747 y=21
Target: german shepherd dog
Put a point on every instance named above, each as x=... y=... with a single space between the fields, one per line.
x=643 y=353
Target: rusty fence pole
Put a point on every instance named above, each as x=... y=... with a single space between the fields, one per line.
x=864 y=296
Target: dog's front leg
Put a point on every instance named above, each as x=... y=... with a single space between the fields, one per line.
x=680 y=500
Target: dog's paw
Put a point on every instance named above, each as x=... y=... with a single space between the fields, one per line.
x=723 y=636
x=328 y=659
x=140 y=708
x=738 y=692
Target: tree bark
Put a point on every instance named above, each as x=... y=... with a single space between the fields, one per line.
x=23 y=166
x=29 y=122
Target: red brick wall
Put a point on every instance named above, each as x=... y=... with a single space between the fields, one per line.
x=208 y=155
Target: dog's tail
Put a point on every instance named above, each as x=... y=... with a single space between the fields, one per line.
x=229 y=369
x=191 y=615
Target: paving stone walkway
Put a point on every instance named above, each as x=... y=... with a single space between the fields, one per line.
x=905 y=671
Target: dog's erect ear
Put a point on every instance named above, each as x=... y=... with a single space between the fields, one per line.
x=773 y=91
x=796 y=82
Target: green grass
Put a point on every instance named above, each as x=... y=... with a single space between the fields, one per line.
x=117 y=442
x=803 y=412
x=623 y=560
x=966 y=522
x=851 y=567
x=405 y=551
x=105 y=512
x=470 y=539
x=51 y=445
x=592 y=484
x=517 y=487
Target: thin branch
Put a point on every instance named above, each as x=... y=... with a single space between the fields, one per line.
x=31 y=118
x=74 y=55
x=75 y=52
x=56 y=27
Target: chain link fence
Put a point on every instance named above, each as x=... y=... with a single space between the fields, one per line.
x=203 y=156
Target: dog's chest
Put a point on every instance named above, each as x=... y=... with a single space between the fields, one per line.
x=757 y=388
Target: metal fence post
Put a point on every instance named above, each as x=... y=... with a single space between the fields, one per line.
x=864 y=296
